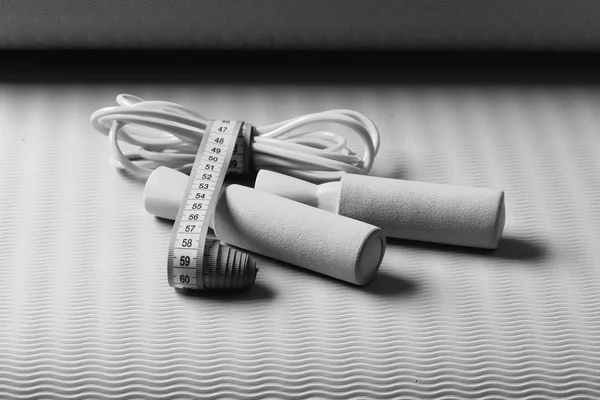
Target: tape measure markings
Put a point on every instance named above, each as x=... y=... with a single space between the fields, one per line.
x=215 y=158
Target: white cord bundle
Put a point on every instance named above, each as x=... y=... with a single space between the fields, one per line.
x=170 y=134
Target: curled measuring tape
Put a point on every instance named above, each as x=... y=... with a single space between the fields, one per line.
x=168 y=134
x=196 y=262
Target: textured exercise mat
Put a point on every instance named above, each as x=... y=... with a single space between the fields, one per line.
x=86 y=311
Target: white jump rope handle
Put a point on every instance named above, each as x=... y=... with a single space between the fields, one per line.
x=330 y=244
x=430 y=212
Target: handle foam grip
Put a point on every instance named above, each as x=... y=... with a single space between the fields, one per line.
x=298 y=234
x=430 y=212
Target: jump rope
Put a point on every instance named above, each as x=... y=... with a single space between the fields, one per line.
x=313 y=205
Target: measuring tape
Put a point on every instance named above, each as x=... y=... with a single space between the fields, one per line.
x=224 y=149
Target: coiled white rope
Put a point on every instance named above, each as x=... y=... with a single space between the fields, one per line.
x=169 y=134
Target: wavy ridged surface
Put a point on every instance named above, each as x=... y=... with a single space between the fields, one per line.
x=86 y=311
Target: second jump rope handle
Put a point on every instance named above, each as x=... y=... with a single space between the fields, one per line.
x=430 y=212
x=276 y=227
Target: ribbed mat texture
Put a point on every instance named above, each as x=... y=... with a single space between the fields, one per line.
x=86 y=311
